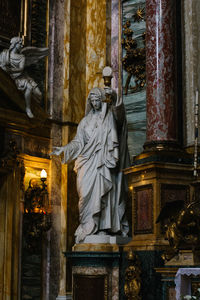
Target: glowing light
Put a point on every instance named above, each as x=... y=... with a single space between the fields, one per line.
x=43 y=174
x=131 y=188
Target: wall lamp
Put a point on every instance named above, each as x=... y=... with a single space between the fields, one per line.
x=37 y=212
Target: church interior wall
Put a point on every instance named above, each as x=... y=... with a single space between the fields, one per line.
x=83 y=37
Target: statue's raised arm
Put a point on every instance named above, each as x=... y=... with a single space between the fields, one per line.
x=14 y=61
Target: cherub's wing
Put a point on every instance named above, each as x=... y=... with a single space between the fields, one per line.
x=34 y=54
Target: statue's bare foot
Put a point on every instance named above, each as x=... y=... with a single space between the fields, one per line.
x=29 y=113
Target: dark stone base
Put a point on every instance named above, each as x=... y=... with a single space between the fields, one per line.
x=161 y=145
x=108 y=269
x=95 y=275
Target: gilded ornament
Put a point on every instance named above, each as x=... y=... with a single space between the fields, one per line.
x=8 y=157
x=134 y=62
x=37 y=214
x=132 y=286
x=139 y=15
x=182 y=226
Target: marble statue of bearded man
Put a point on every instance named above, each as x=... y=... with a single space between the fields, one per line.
x=100 y=150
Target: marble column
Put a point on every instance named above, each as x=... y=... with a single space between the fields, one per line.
x=161 y=71
x=57 y=78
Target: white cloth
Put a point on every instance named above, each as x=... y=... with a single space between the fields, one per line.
x=183 y=282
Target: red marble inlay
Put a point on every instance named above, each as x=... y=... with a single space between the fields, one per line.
x=160 y=68
x=143 y=210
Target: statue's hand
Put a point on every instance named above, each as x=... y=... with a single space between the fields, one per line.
x=111 y=94
x=57 y=151
x=108 y=90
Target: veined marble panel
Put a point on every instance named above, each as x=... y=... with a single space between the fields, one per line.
x=161 y=71
x=135 y=102
x=66 y=60
x=96 y=43
x=191 y=45
x=75 y=60
x=84 y=53
x=115 y=43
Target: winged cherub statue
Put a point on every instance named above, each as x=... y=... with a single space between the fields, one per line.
x=14 y=61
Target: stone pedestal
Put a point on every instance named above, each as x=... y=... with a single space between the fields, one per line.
x=66 y=297
x=106 y=239
x=96 y=271
x=155 y=180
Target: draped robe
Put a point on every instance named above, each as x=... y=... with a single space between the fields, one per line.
x=101 y=150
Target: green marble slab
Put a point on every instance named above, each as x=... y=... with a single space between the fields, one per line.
x=135 y=102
